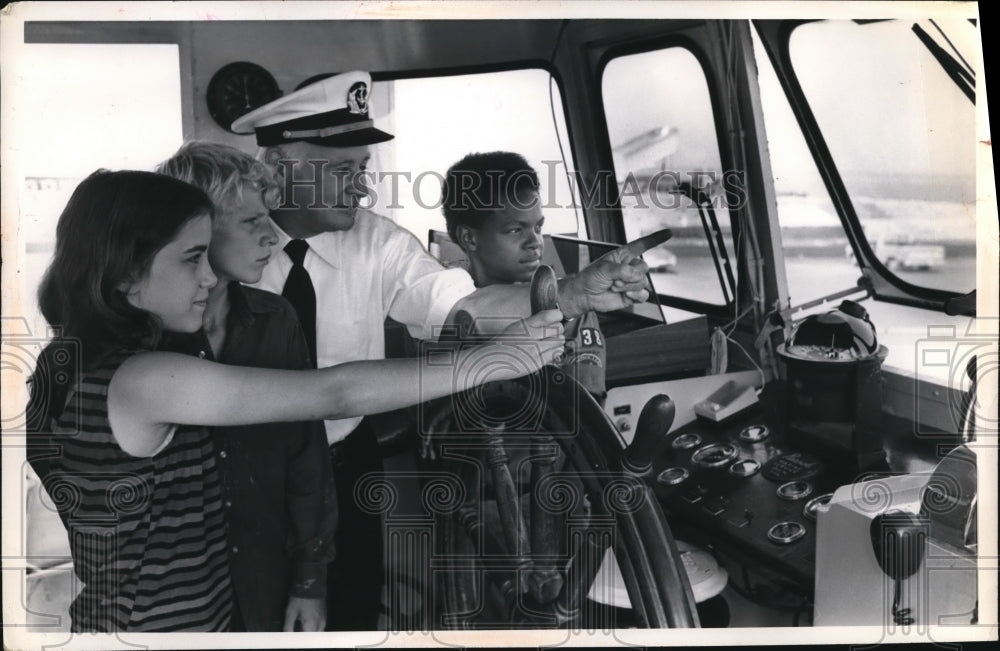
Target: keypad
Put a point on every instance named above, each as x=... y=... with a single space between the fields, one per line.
x=796 y=466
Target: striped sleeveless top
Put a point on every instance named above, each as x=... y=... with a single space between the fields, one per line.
x=147 y=535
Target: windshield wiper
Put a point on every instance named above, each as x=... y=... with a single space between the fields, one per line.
x=962 y=77
x=958 y=55
x=713 y=234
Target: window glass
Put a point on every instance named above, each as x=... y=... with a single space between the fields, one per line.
x=819 y=260
x=902 y=135
x=438 y=120
x=662 y=134
x=78 y=110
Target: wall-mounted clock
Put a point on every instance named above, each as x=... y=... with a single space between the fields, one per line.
x=238 y=88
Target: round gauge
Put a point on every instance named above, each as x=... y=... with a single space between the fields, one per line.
x=744 y=468
x=714 y=455
x=795 y=490
x=817 y=504
x=672 y=476
x=238 y=88
x=686 y=441
x=754 y=433
x=784 y=533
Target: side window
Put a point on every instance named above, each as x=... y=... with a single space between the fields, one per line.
x=79 y=110
x=438 y=120
x=904 y=143
x=664 y=141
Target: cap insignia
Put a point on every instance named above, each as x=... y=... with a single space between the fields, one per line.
x=357 y=98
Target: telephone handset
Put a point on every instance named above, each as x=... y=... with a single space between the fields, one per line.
x=899 y=540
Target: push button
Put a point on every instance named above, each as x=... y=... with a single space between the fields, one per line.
x=795 y=490
x=672 y=476
x=785 y=533
x=744 y=468
x=754 y=433
x=686 y=441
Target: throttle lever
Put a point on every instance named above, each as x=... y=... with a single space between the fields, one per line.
x=654 y=421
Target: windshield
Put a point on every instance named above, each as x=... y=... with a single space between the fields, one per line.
x=902 y=135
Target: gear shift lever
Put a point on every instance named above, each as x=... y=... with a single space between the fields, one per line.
x=654 y=421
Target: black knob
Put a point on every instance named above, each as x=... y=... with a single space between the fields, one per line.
x=654 y=422
x=965 y=304
x=854 y=309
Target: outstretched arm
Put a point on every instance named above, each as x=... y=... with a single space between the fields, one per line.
x=150 y=392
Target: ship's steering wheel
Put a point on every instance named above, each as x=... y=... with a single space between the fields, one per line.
x=548 y=488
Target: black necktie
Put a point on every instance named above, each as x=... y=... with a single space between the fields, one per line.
x=300 y=293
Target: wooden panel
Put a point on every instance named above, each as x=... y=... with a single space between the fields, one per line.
x=659 y=352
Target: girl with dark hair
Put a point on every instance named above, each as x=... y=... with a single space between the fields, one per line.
x=122 y=448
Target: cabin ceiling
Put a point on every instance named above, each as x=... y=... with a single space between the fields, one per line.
x=295 y=50
x=304 y=48
x=300 y=49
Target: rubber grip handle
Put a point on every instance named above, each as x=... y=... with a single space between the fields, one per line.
x=654 y=422
x=544 y=289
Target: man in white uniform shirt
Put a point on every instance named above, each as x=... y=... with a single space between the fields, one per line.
x=362 y=268
x=361 y=275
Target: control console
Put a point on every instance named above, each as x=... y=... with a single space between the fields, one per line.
x=740 y=487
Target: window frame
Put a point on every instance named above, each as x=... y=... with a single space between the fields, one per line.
x=720 y=311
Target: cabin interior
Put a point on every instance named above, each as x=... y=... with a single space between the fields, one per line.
x=819 y=178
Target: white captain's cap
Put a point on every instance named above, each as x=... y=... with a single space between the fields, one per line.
x=332 y=112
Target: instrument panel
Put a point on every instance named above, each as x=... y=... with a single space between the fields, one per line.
x=739 y=486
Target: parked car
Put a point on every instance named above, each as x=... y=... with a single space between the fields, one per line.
x=906 y=254
x=660 y=260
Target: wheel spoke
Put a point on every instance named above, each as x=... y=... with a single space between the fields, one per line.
x=508 y=504
x=545 y=582
x=514 y=574
x=463 y=586
x=588 y=552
